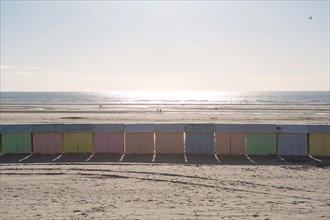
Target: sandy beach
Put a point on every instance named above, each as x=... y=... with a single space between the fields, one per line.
x=165 y=191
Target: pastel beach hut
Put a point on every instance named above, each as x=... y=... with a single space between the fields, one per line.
x=230 y=139
x=139 y=139
x=16 y=139
x=292 y=140
x=199 y=138
x=261 y=139
x=0 y=139
x=109 y=138
x=169 y=138
x=47 y=138
x=319 y=140
x=77 y=138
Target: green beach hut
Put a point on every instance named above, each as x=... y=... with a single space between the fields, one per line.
x=261 y=139
x=16 y=139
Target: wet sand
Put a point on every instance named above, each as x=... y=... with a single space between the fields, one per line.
x=129 y=113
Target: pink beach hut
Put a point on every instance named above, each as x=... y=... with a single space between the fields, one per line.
x=109 y=138
x=230 y=139
x=169 y=138
x=47 y=138
x=139 y=139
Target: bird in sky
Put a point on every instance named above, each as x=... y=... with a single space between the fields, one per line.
x=310 y=18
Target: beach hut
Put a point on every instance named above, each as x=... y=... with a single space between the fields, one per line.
x=0 y=139
x=261 y=139
x=199 y=138
x=319 y=140
x=292 y=140
x=47 y=138
x=109 y=138
x=169 y=138
x=230 y=139
x=139 y=139
x=16 y=139
x=77 y=138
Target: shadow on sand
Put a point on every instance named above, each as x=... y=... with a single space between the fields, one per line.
x=165 y=158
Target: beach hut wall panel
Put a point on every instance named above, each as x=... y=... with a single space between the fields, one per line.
x=16 y=143
x=318 y=129
x=230 y=144
x=109 y=142
x=261 y=139
x=78 y=138
x=47 y=128
x=81 y=142
x=237 y=144
x=222 y=143
x=47 y=138
x=47 y=143
x=139 y=143
x=109 y=138
x=109 y=128
x=261 y=144
x=319 y=144
x=169 y=138
x=139 y=139
x=261 y=128
x=74 y=128
x=199 y=128
x=292 y=144
x=169 y=128
x=230 y=139
x=16 y=139
x=200 y=143
x=170 y=143
x=292 y=140
x=138 y=128
x=230 y=128
x=319 y=140
x=0 y=139
x=199 y=138
x=16 y=129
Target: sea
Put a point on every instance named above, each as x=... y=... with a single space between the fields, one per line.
x=168 y=98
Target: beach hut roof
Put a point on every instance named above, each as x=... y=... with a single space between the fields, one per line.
x=77 y=128
x=261 y=128
x=321 y=129
x=12 y=129
x=139 y=128
x=199 y=127
x=47 y=128
x=109 y=128
x=293 y=129
x=232 y=128
x=169 y=128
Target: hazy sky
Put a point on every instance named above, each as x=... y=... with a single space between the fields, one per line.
x=158 y=45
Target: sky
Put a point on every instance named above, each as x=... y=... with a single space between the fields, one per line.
x=166 y=46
